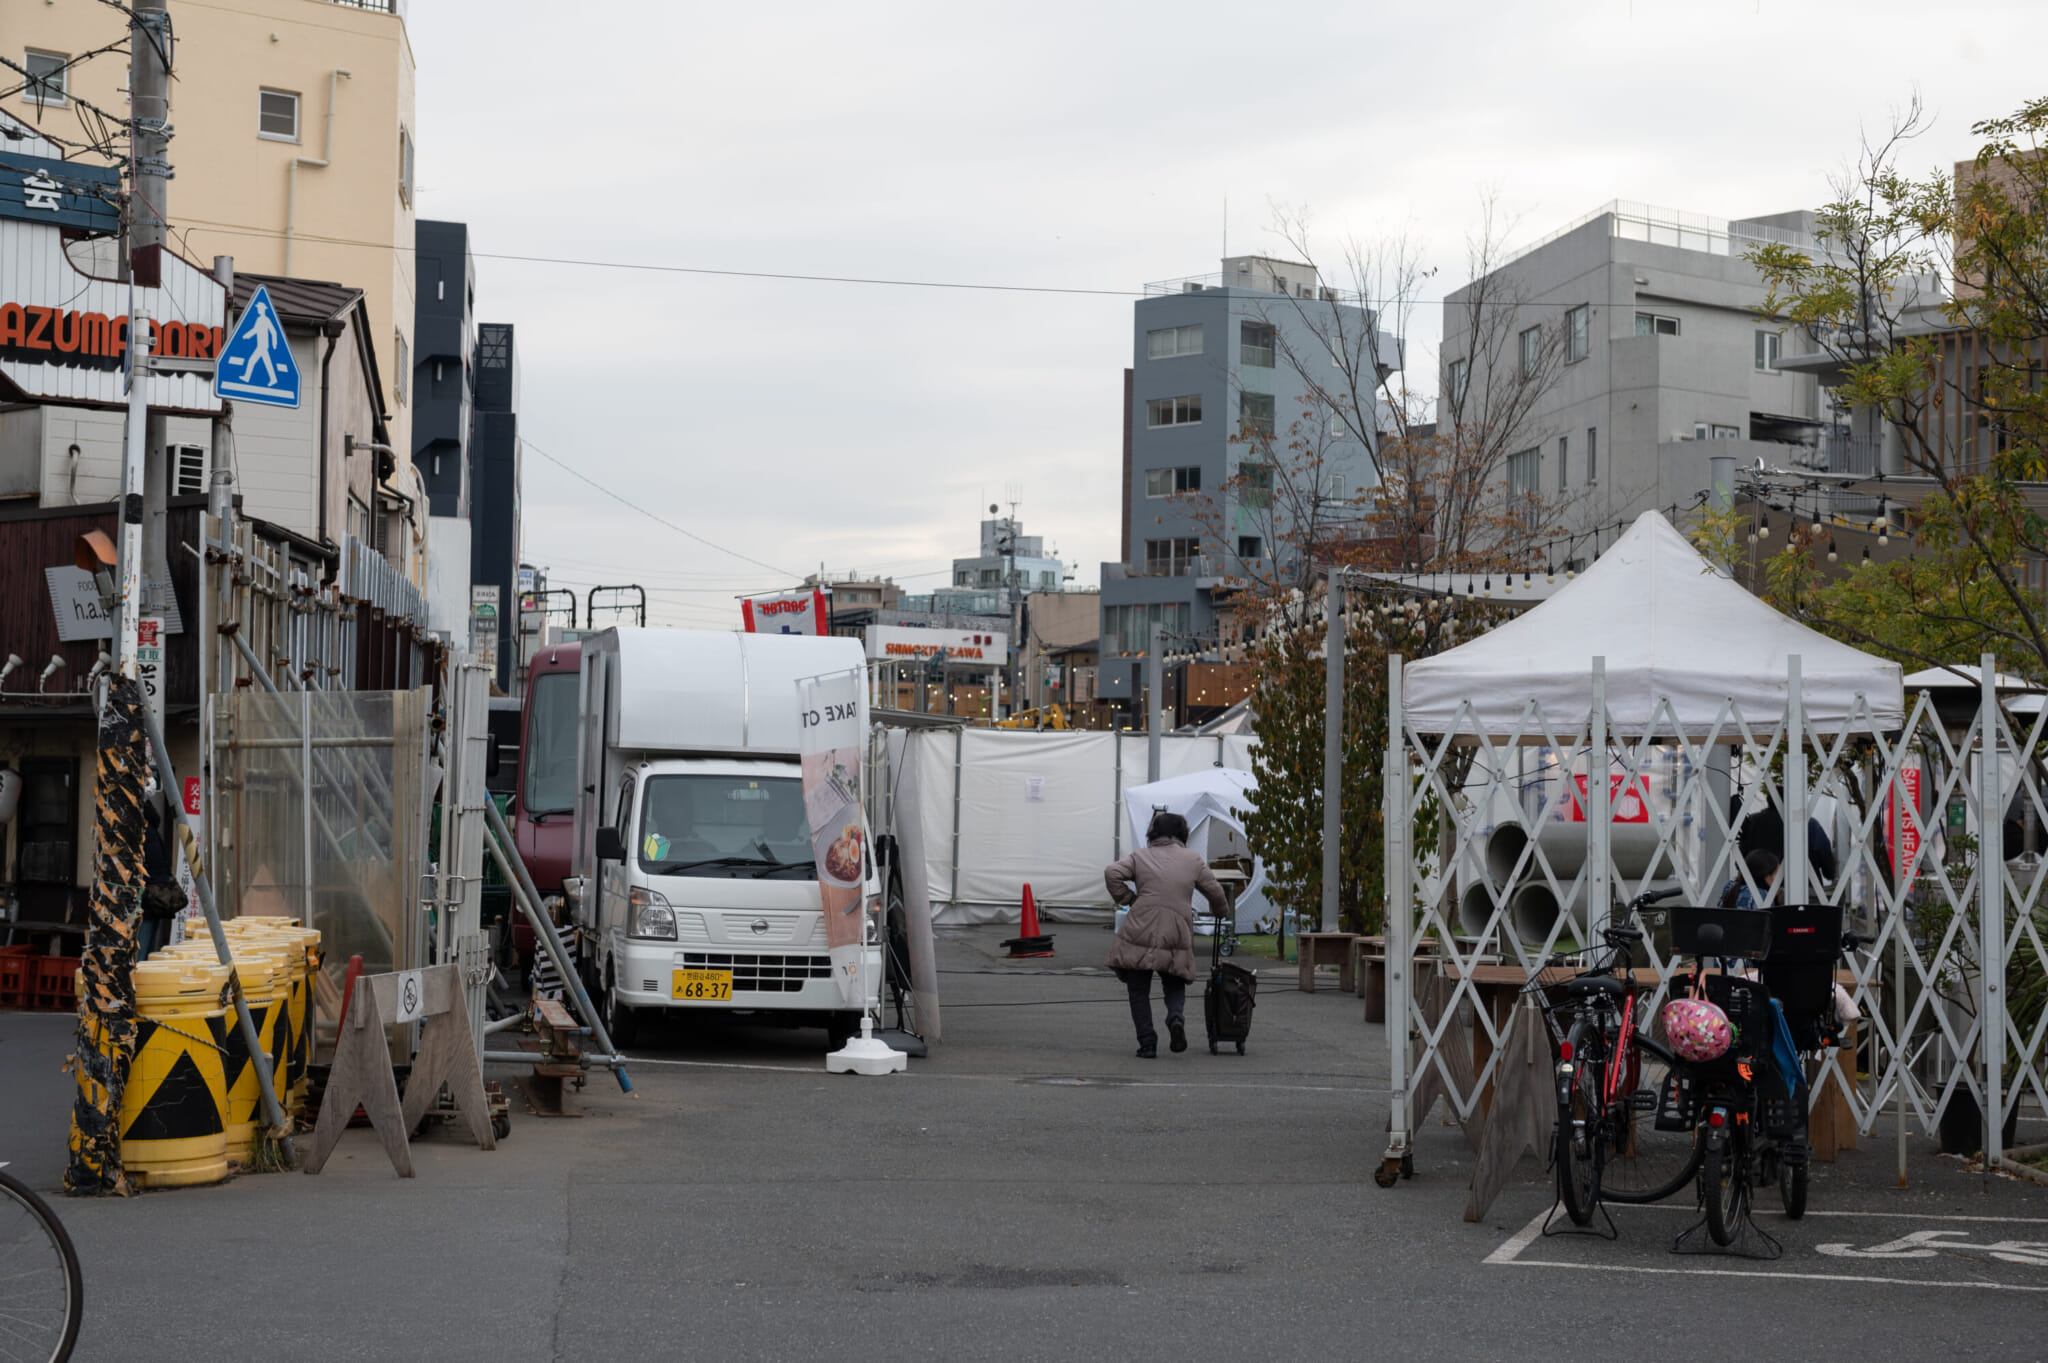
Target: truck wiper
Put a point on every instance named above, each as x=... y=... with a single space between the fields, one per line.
x=669 y=868
x=809 y=868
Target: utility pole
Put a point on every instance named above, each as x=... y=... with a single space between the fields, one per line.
x=144 y=559
x=1155 y=702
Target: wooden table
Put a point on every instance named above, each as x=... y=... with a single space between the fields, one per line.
x=1325 y=948
x=1369 y=965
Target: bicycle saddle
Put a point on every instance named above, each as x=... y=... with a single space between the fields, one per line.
x=1585 y=986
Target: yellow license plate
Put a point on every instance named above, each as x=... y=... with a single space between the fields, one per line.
x=701 y=986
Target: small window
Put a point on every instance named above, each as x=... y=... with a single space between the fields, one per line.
x=1170 y=558
x=1576 y=334
x=1173 y=411
x=1168 y=482
x=403 y=368
x=1255 y=345
x=1650 y=324
x=1727 y=433
x=1564 y=450
x=1171 y=342
x=1532 y=351
x=47 y=82
x=1255 y=411
x=964 y=578
x=1524 y=471
x=1592 y=455
x=404 y=165
x=1256 y=479
x=1461 y=370
x=277 y=115
x=1250 y=546
x=1767 y=343
x=991 y=577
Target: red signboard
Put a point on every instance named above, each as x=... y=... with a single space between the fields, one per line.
x=1905 y=797
x=192 y=795
x=1625 y=804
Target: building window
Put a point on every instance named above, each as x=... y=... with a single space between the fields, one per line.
x=991 y=577
x=1255 y=345
x=1048 y=580
x=1250 y=546
x=1127 y=629
x=47 y=82
x=1767 y=351
x=1524 y=472
x=1170 y=342
x=1577 y=337
x=403 y=368
x=964 y=578
x=1532 y=351
x=1173 y=411
x=1592 y=454
x=1461 y=370
x=404 y=165
x=277 y=115
x=1257 y=485
x=1564 y=449
x=1255 y=411
x=1170 y=558
x=1168 y=482
x=1650 y=324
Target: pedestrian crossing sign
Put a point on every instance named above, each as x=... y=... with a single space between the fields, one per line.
x=256 y=363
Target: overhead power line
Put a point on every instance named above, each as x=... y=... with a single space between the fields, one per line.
x=658 y=520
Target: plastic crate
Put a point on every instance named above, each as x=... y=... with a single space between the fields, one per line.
x=17 y=970
x=56 y=986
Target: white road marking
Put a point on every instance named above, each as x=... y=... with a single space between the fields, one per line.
x=1103 y=1081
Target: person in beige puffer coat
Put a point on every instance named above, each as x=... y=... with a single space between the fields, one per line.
x=1158 y=934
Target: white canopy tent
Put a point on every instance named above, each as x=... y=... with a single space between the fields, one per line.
x=1675 y=631
x=1209 y=800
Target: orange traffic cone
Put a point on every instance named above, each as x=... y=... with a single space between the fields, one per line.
x=1032 y=942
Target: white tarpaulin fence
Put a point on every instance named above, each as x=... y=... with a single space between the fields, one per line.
x=981 y=812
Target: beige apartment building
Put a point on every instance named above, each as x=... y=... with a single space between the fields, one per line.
x=294 y=145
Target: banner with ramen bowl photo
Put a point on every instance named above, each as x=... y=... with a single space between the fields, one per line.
x=830 y=747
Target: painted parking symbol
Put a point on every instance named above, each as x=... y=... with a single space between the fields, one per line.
x=1926 y=1244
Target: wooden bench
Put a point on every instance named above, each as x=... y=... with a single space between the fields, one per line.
x=1326 y=948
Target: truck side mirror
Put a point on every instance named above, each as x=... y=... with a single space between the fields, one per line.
x=493 y=758
x=610 y=846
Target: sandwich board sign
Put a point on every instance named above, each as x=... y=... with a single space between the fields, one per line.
x=256 y=363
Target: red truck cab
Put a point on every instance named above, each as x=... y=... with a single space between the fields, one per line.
x=543 y=827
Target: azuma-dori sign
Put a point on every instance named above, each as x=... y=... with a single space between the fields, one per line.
x=93 y=340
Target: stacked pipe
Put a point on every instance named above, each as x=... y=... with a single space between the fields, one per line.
x=1514 y=874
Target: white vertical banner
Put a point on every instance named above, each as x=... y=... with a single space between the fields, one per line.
x=829 y=709
x=149 y=664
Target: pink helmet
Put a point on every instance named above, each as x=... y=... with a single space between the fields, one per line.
x=1697 y=1030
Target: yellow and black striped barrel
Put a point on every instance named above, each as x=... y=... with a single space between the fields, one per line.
x=264 y=977
x=301 y=948
x=173 y=1111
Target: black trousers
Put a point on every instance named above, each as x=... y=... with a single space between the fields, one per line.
x=1139 y=982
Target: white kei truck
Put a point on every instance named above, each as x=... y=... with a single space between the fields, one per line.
x=693 y=878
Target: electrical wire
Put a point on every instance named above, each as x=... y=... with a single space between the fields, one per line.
x=659 y=520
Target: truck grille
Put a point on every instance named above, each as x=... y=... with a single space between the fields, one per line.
x=763 y=974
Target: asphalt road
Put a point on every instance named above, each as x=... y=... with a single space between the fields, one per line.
x=1030 y=1191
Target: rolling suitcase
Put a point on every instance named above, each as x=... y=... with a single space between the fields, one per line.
x=1228 y=1000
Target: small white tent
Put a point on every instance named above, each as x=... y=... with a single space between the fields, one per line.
x=1209 y=800
x=1672 y=629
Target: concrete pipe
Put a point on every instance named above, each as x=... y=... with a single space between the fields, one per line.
x=1475 y=906
x=1533 y=908
x=1631 y=847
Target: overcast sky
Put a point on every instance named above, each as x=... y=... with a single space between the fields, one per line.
x=1073 y=146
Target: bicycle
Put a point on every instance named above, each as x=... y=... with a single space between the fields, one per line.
x=41 y=1291
x=1612 y=1076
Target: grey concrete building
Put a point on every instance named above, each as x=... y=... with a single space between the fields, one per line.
x=1660 y=361
x=1219 y=388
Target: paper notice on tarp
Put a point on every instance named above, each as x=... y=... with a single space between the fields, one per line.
x=830 y=746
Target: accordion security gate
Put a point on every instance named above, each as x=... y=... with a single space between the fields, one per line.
x=1923 y=821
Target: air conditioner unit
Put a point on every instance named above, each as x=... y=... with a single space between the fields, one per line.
x=1190 y=287
x=187 y=467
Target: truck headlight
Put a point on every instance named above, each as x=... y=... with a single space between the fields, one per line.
x=649 y=915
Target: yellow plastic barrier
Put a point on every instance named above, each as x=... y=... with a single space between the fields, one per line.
x=266 y=980
x=301 y=948
x=173 y=1110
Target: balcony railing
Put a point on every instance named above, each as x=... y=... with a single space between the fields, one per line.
x=396 y=7
x=1299 y=291
x=1852 y=454
x=1257 y=356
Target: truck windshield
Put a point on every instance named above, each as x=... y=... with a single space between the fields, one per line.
x=550 y=754
x=735 y=826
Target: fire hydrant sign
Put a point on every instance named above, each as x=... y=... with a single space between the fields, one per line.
x=830 y=721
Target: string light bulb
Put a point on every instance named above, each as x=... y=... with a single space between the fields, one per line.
x=1831 y=548
x=1763 y=531
x=1866 y=556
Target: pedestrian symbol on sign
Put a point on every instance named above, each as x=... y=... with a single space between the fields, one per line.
x=256 y=364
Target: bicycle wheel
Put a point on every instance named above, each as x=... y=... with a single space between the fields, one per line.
x=1642 y=1163
x=1577 y=1156
x=41 y=1296
x=1792 y=1189
x=1724 y=1188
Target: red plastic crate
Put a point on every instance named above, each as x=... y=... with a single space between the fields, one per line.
x=56 y=987
x=17 y=967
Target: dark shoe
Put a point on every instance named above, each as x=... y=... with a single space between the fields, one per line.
x=1149 y=1051
x=1179 y=1032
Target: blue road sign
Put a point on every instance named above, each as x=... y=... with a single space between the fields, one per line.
x=256 y=363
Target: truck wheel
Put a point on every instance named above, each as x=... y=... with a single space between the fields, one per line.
x=841 y=1028
x=620 y=1020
